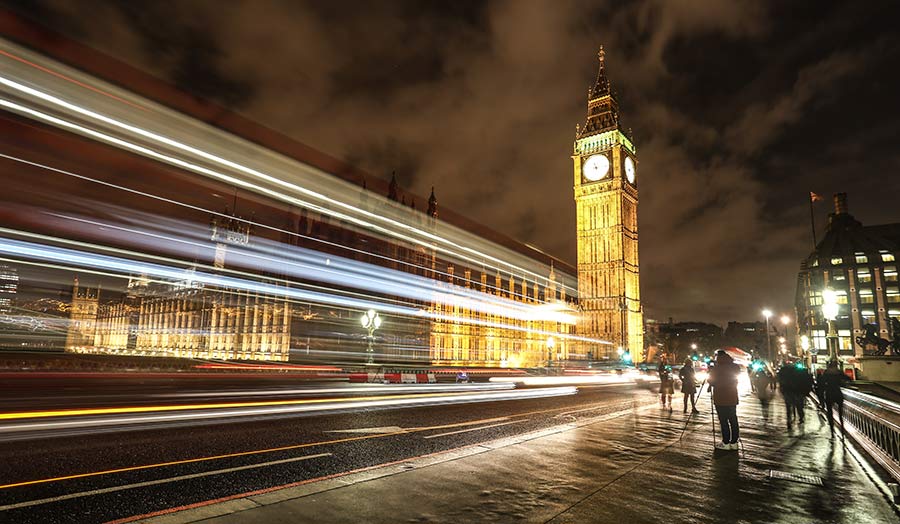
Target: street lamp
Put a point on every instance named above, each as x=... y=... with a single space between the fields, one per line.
x=551 y=343
x=768 y=314
x=371 y=321
x=804 y=345
x=830 y=310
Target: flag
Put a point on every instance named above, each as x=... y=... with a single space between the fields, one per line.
x=814 y=197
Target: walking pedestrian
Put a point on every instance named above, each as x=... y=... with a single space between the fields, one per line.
x=666 y=383
x=760 y=381
x=723 y=378
x=689 y=385
x=830 y=388
x=788 y=383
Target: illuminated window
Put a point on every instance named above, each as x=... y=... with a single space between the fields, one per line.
x=819 y=341
x=866 y=296
x=894 y=313
x=861 y=258
x=863 y=275
x=868 y=316
x=893 y=295
x=845 y=339
x=839 y=276
x=815 y=263
x=886 y=256
x=890 y=273
x=836 y=261
x=841 y=296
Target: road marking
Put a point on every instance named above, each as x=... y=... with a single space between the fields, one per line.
x=282 y=448
x=381 y=430
x=475 y=429
x=157 y=482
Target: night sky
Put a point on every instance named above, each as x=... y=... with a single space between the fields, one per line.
x=739 y=109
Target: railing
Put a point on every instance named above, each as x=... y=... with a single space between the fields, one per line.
x=875 y=424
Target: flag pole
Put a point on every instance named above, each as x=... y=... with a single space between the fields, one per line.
x=812 y=220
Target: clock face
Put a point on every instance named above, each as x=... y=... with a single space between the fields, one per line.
x=629 y=169
x=595 y=167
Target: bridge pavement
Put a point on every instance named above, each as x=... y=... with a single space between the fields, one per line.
x=633 y=466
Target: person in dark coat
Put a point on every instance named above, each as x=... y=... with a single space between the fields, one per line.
x=723 y=378
x=688 y=384
x=830 y=383
x=666 y=383
x=788 y=383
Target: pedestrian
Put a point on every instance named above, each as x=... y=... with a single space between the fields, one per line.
x=666 y=383
x=787 y=382
x=830 y=383
x=802 y=385
x=723 y=378
x=761 y=379
x=689 y=385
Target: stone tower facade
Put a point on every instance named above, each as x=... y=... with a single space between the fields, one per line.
x=606 y=198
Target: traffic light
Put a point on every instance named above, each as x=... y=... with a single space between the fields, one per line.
x=694 y=357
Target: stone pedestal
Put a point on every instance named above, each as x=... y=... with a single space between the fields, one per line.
x=881 y=368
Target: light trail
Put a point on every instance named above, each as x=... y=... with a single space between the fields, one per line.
x=190 y=166
x=95 y=261
x=95 y=420
x=210 y=136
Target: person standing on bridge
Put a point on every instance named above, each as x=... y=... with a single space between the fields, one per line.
x=689 y=385
x=830 y=390
x=723 y=378
x=666 y=383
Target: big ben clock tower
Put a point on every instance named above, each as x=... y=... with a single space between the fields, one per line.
x=606 y=201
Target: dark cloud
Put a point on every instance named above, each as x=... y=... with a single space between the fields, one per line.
x=739 y=108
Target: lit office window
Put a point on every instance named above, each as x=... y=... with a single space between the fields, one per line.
x=845 y=340
x=839 y=276
x=890 y=273
x=861 y=258
x=863 y=275
x=836 y=261
x=886 y=256
x=893 y=295
x=894 y=313
x=819 y=341
x=841 y=296
x=866 y=296
x=868 y=316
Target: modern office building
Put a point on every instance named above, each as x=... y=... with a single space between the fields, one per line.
x=859 y=263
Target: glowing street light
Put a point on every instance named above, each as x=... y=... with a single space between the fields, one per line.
x=371 y=321
x=785 y=320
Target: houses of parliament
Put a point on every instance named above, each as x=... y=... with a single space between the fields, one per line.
x=190 y=320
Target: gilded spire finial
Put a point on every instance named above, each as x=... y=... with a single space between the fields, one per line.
x=601 y=54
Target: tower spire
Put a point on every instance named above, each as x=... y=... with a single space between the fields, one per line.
x=601 y=86
x=432 y=205
x=392 y=187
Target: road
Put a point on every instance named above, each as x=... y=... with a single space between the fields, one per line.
x=118 y=472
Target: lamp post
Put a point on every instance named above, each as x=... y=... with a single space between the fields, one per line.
x=804 y=345
x=830 y=312
x=371 y=321
x=551 y=343
x=768 y=314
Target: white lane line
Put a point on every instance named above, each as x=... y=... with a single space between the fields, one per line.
x=156 y=482
x=475 y=429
